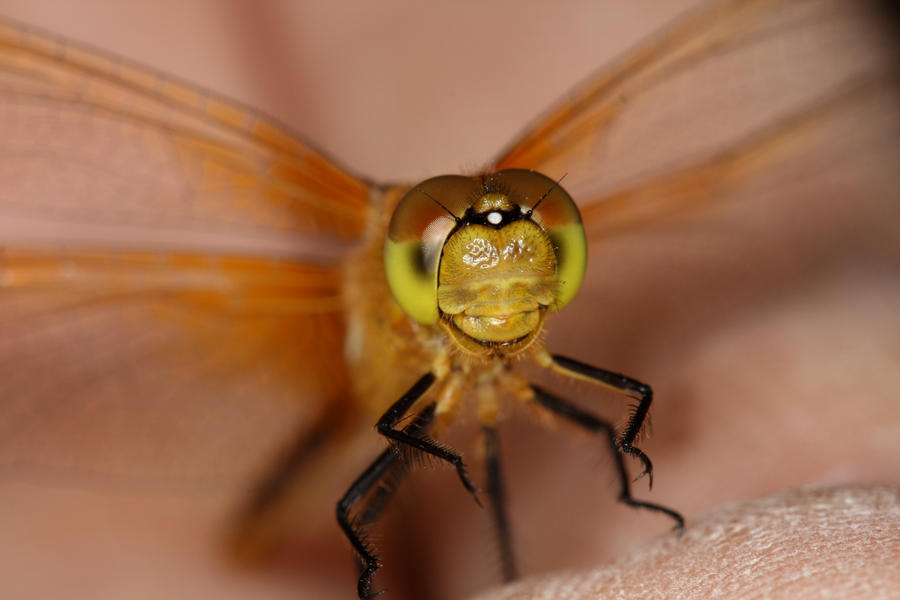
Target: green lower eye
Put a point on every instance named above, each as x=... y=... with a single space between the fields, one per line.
x=571 y=254
x=413 y=282
x=416 y=235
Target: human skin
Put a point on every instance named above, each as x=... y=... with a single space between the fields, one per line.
x=838 y=542
x=793 y=388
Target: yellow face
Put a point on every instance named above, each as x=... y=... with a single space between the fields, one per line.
x=487 y=256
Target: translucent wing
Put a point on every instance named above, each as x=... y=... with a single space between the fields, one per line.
x=737 y=94
x=169 y=274
x=91 y=140
x=170 y=311
x=117 y=366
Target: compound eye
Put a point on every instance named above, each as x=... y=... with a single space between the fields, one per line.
x=556 y=212
x=423 y=219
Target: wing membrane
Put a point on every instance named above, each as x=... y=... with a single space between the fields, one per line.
x=119 y=366
x=92 y=139
x=169 y=276
x=715 y=102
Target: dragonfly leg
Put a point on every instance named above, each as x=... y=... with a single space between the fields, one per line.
x=387 y=427
x=497 y=494
x=360 y=506
x=586 y=420
x=639 y=391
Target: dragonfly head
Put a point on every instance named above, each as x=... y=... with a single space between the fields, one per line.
x=486 y=256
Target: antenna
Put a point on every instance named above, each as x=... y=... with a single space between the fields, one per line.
x=547 y=193
x=435 y=200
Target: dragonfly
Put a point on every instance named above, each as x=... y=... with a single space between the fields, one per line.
x=166 y=319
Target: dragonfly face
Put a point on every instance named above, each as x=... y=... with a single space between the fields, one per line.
x=486 y=256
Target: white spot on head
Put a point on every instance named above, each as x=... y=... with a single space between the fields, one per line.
x=494 y=218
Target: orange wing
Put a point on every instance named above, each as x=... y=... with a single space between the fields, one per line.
x=740 y=94
x=93 y=140
x=169 y=269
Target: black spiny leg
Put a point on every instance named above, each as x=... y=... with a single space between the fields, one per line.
x=353 y=529
x=590 y=422
x=384 y=467
x=497 y=494
x=367 y=504
x=395 y=414
x=370 y=510
x=624 y=384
